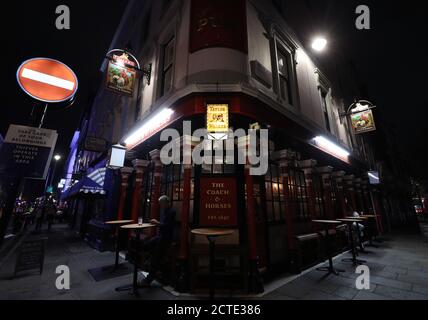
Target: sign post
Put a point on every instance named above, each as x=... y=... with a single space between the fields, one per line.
x=26 y=153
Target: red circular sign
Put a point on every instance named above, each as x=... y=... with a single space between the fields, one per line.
x=47 y=80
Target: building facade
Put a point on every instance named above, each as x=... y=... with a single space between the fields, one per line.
x=247 y=59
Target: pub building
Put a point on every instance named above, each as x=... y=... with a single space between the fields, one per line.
x=241 y=57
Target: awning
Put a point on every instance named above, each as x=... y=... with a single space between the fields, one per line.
x=93 y=183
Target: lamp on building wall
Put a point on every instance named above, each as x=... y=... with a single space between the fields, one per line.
x=116 y=159
x=319 y=44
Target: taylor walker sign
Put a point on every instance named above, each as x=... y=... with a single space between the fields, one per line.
x=27 y=152
x=218 y=202
x=217 y=118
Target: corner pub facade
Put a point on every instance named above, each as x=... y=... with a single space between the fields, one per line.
x=240 y=54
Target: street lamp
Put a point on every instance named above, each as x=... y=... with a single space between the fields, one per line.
x=56 y=159
x=319 y=44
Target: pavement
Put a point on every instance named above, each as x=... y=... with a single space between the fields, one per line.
x=398 y=271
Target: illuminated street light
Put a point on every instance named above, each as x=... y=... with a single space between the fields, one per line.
x=57 y=157
x=319 y=44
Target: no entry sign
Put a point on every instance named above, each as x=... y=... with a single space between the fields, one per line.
x=47 y=80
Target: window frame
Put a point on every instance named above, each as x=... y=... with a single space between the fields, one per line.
x=280 y=43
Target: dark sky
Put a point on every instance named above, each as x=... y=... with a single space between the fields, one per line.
x=389 y=59
x=28 y=30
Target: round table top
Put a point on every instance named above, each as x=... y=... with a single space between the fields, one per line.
x=118 y=222
x=326 y=221
x=359 y=217
x=213 y=232
x=368 y=216
x=350 y=220
x=137 y=226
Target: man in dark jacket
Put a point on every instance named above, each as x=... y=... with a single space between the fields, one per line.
x=159 y=244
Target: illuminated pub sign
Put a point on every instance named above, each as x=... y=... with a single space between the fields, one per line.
x=212 y=25
x=218 y=118
x=218 y=205
x=121 y=74
x=363 y=121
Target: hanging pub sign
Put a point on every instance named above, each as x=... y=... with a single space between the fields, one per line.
x=47 y=80
x=363 y=122
x=218 y=205
x=217 y=121
x=121 y=74
x=361 y=116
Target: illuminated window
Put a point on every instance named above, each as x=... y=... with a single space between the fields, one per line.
x=275 y=201
x=298 y=195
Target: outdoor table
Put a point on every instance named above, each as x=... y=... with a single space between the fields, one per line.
x=212 y=234
x=116 y=224
x=330 y=269
x=349 y=222
x=137 y=228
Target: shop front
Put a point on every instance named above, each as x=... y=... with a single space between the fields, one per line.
x=271 y=213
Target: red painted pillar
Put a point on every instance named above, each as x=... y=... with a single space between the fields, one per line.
x=254 y=278
x=187 y=145
x=125 y=173
x=139 y=166
x=156 y=188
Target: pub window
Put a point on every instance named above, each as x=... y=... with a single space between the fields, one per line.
x=172 y=185
x=147 y=192
x=167 y=66
x=219 y=162
x=325 y=109
x=285 y=78
x=275 y=201
x=298 y=195
x=318 y=196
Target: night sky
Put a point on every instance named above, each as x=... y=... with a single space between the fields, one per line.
x=388 y=61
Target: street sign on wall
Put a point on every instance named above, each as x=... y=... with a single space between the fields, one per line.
x=95 y=144
x=27 y=152
x=47 y=80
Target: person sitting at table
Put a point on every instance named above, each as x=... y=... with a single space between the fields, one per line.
x=357 y=226
x=159 y=244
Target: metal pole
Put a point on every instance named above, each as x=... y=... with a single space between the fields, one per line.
x=43 y=116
